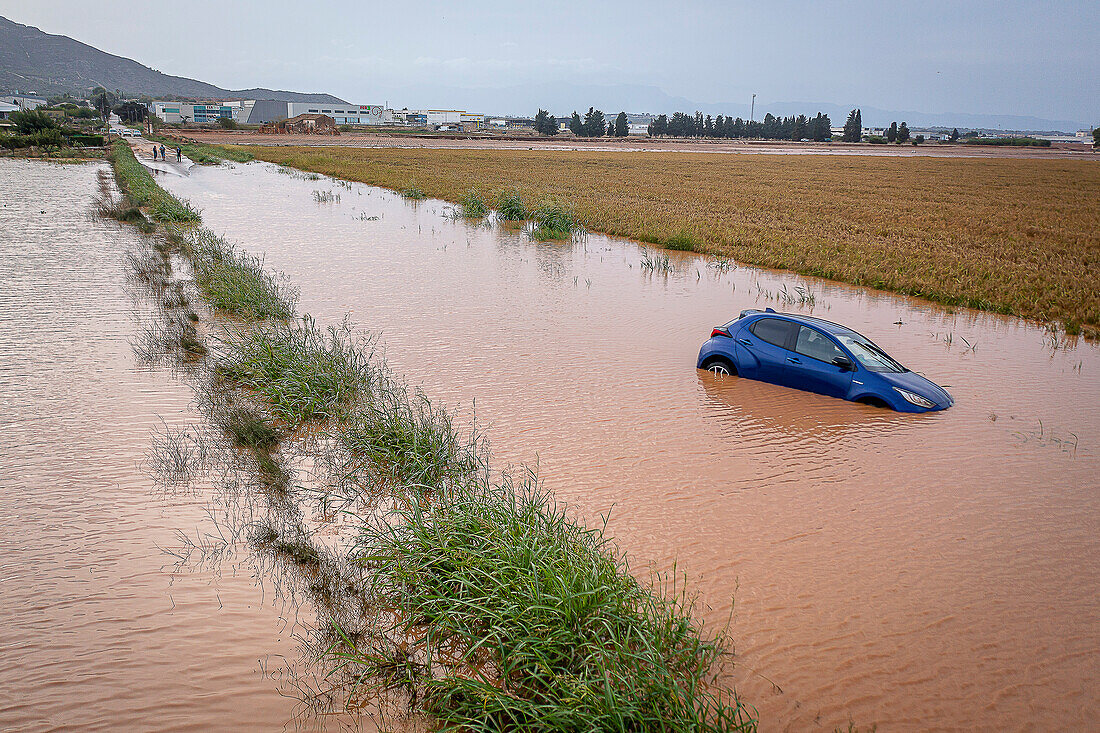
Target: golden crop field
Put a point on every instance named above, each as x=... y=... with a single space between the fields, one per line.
x=1014 y=236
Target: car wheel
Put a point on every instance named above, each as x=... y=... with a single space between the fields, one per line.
x=720 y=368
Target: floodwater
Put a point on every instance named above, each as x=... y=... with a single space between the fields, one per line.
x=98 y=630
x=936 y=571
x=916 y=571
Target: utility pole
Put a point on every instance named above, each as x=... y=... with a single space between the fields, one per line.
x=752 y=109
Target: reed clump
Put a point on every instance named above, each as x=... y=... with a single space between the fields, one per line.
x=302 y=371
x=234 y=281
x=553 y=221
x=553 y=631
x=474 y=205
x=510 y=207
x=1013 y=236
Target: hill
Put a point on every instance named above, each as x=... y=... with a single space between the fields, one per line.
x=34 y=61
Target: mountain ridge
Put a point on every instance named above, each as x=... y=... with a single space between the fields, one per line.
x=48 y=64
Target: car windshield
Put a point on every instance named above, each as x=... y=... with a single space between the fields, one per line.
x=868 y=354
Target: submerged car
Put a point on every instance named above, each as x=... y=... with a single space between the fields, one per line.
x=815 y=355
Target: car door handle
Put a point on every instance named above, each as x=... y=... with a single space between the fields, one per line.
x=746 y=342
x=793 y=360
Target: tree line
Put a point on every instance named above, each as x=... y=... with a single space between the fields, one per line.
x=594 y=124
x=799 y=127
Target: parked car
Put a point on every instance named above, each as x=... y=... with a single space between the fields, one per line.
x=815 y=355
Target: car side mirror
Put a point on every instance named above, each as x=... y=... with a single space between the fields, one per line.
x=844 y=363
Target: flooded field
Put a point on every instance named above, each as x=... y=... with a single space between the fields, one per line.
x=97 y=629
x=915 y=571
x=935 y=571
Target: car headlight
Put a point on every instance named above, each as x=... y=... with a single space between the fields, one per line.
x=915 y=399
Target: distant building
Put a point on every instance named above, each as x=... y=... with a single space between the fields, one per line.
x=637 y=128
x=261 y=111
x=6 y=108
x=304 y=124
x=23 y=101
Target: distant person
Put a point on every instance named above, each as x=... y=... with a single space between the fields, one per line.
x=179 y=154
x=162 y=152
x=154 y=153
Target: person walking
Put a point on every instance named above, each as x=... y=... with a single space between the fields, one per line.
x=162 y=152
x=179 y=154
x=154 y=153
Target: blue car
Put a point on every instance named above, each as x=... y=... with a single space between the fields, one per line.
x=818 y=356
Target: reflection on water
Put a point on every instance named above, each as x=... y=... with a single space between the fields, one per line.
x=916 y=571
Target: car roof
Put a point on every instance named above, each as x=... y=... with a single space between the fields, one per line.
x=821 y=323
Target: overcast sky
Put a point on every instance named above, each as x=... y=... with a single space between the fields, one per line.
x=1006 y=57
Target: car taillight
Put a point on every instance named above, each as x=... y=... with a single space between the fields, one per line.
x=720 y=331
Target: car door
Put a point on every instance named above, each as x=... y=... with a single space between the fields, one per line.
x=764 y=345
x=811 y=366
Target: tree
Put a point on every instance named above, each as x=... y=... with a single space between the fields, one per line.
x=103 y=101
x=545 y=124
x=622 y=129
x=954 y=135
x=903 y=133
x=659 y=126
x=892 y=133
x=575 y=124
x=594 y=123
x=918 y=139
x=1096 y=138
x=611 y=129
x=131 y=112
x=28 y=122
x=853 y=128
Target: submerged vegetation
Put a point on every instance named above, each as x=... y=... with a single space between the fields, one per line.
x=474 y=205
x=474 y=596
x=233 y=281
x=1020 y=237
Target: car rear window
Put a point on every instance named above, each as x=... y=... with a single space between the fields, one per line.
x=816 y=345
x=773 y=330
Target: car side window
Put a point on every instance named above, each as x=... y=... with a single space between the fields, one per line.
x=773 y=330
x=816 y=345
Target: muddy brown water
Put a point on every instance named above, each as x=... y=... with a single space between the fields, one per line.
x=98 y=630
x=915 y=571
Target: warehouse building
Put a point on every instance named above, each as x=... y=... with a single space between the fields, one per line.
x=261 y=111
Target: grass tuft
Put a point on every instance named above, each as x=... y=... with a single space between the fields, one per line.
x=234 y=281
x=510 y=207
x=474 y=205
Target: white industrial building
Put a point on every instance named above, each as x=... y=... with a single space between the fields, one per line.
x=23 y=102
x=257 y=112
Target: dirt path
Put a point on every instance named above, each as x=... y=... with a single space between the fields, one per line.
x=380 y=140
x=143 y=151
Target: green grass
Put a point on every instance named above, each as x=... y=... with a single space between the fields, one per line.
x=562 y=634
x=474 y=205
x=234 y=281
x=400 y=440
x=304 y=372
x=554 y=222
x=413 y=193
x=510 y=207
x=248 y=429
